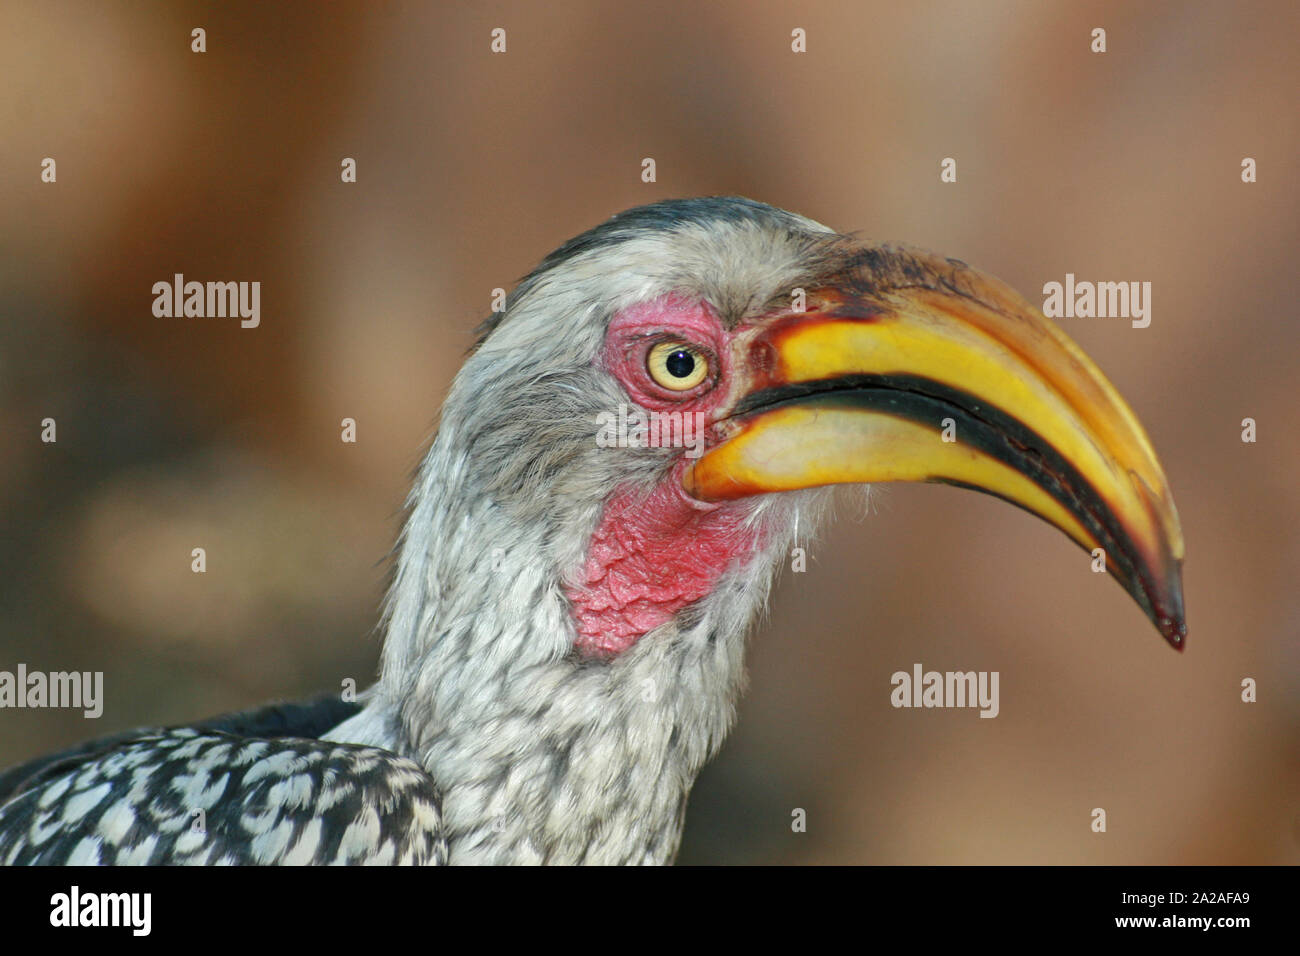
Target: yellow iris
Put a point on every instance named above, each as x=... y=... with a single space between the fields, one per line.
x=676 y=366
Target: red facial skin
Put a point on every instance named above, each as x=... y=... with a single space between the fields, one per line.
x=652 y=555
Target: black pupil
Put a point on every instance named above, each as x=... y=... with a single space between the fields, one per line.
x=680 y=364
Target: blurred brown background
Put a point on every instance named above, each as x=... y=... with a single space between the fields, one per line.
x=176 y=433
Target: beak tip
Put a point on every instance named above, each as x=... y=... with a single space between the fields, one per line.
x=1171 y=620
x=1175 y=632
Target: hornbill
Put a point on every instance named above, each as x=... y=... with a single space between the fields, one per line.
x=566 y=624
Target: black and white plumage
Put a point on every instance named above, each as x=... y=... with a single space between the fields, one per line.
x=555 y=672
x=223 y=793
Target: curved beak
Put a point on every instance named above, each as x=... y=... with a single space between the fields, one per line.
x=910 y=367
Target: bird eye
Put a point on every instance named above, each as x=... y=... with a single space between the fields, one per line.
x=676 y=366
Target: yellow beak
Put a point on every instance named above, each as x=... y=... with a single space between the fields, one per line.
x=910 y=367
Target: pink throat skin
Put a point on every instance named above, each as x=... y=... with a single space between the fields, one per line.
x=649 y=557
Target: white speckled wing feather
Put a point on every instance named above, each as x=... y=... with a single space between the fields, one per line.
x=187 y=796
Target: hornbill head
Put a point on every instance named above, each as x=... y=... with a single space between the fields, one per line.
x=575 y=583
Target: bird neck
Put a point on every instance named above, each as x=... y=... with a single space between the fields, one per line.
x=544 y=754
